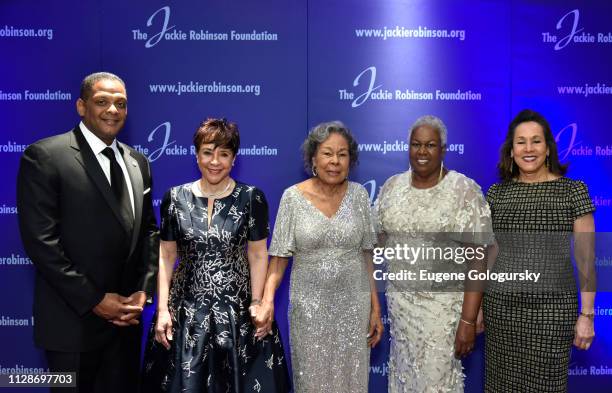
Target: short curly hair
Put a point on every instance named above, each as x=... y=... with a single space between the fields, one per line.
x=320 y=133
x=220 y=132
x=430 y=121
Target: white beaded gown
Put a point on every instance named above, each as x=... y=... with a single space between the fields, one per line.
x=329 y=294
x=423 y=321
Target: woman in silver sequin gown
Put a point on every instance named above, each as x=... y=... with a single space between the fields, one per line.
x=430 y=329
x=324 y=224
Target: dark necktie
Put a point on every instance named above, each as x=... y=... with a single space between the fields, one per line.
x=119 y=187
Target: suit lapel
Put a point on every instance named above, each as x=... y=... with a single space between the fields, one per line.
x=86 y=158
x=137 y=188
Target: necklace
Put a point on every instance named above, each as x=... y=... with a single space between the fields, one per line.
x=216 y=194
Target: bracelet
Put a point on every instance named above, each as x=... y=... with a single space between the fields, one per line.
x=590 y=315
x=256 y=302
x=467 y=322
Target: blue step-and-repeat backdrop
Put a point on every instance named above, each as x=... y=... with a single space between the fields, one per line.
x=278 y=67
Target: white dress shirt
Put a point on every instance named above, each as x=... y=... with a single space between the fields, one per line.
x=97 y=146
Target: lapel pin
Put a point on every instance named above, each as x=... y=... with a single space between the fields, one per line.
x=134 y=163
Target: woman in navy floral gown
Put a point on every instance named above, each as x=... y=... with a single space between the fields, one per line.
x=203 y=338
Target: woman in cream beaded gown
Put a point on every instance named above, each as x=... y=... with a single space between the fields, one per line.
x=430 y=328
x=324 y=223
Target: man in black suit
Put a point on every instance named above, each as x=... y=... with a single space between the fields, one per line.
x=86 y=221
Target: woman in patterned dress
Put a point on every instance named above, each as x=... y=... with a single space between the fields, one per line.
x=531 y=326
x=431 y=327
x=203 y=338
x=324 y=224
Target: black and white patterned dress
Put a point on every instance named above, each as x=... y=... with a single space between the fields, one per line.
x=530 y=327
x=213 y=347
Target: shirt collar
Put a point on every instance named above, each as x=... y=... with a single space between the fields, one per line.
x=96 y=143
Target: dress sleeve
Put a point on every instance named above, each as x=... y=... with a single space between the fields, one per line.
x=581 y=201
x=368 y=241
x=491 y=195
x=378 y=206
x=259 y=226
x=169 y=225
x=283 y=238
x=473 y=218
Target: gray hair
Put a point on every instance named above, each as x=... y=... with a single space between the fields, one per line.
x=430 y=121
x=90 y=80
x=320 y=133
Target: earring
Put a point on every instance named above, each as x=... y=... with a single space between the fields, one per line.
x=314 y=171
x=441 y=172
x=547 y=162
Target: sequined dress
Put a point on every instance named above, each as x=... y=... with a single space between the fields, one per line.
x=213 y=347
x=530 y=328
x=423 y=321
x=329 y=293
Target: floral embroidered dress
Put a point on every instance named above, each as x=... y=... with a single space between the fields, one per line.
x=213 y=347
x=423 y=321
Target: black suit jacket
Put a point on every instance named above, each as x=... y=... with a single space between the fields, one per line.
x=72 y=230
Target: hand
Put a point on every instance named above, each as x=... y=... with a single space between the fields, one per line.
x=163 y=328
x=584 y=333
x=376 y=329
x=136 y=299
x=113 y=306
x=464 y=339
x=480 y=326
x=263 y=316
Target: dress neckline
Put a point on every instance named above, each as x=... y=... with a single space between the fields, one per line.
x=309 y=202
x=513 y=181
x=193 y=184
x=439 y=184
